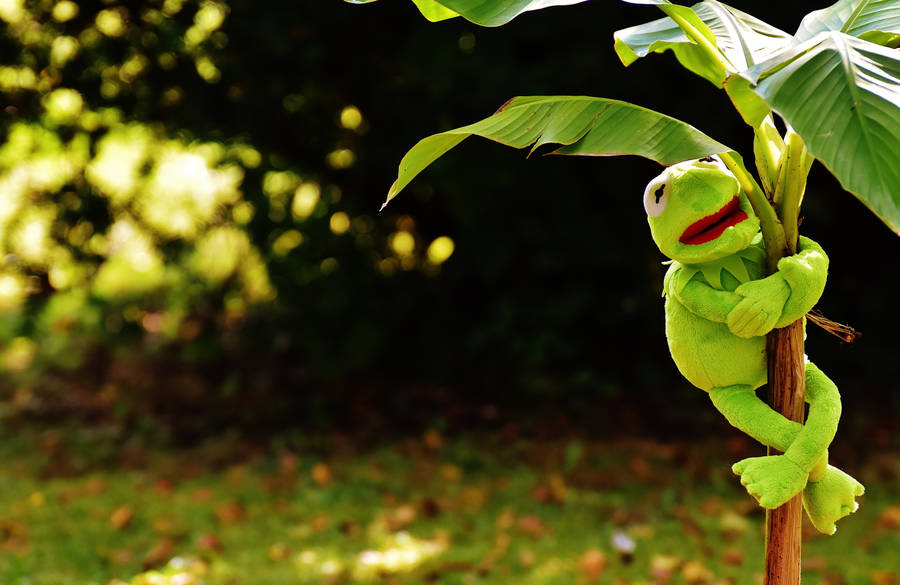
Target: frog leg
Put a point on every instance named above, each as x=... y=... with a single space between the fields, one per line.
x=745 y=410
x=775 y=479
x=830 y=494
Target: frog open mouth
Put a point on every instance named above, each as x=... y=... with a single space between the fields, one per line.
x=711 y=227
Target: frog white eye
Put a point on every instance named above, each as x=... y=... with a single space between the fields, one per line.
x=656 y=196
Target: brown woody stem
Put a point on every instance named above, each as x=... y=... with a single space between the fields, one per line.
x=787 y=377
x=787 y=388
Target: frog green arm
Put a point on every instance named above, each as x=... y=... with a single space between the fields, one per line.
x=780 y=299
x=805 y=273
x=698 y=297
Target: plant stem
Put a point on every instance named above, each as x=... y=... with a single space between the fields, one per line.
x=787 y=386
x=699 y=38
x=786 y=369
x=770 y=225
x=796 y=166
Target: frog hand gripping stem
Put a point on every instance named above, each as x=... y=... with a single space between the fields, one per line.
x=720 y=305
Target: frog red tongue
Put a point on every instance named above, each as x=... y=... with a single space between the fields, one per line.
x=711 y=227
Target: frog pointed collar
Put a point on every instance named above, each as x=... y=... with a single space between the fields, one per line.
x=697 y=212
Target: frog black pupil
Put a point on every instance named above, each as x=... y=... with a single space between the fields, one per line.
x=708 y=159
x=659 y=193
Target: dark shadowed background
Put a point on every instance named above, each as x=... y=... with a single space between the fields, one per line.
x=290 y=300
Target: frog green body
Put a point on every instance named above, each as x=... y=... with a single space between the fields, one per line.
x=720 y=304
x=702 y=348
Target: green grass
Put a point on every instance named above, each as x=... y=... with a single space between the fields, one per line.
x=471 y=510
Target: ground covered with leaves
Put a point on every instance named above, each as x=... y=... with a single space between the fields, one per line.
x=94 y=507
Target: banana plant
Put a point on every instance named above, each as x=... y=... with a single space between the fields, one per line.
x=834 y=83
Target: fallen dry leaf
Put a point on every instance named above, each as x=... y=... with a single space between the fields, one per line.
x=433 y=439
x=278 y=552
x=592 y=563
x=119 y=556
x=121 y=517
x=320 y=522
x=696 y=573
x=817 y=563
x=209 y=542
x=165 y=526
x=230 y=513
x=202 y=495
x=505 y=520
x=287 y=463
x=664 y=566
x=321 y=474
x=890 y=517
x=349 y=528
x=733 y=557
x=532 y=526
x=159 y=554
x=95 y=486
x=884 y=578
x=401 y=517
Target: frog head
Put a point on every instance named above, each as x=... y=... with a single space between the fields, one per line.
x=698 y=213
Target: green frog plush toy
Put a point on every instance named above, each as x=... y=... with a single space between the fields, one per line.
x=719 y=306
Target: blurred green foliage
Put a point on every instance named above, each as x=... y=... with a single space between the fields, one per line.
x=188 y=221
x=122 y=224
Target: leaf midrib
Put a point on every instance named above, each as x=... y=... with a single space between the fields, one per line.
x=851 y=72
x=854 y=15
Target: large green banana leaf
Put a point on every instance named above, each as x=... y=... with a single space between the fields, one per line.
x=581 y=125
x=483 y=12
x=743 y=39
x=841 y=94
x=877 y=21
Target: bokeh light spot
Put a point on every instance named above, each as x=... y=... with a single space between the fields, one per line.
x=243 y=212
x=341 y=158
x=466 y=42
x=12 y=11
x=111 y=22
x=402 y=243
x=63 y=106
x=208 y=70
x=62 y=50
x=440 y=249
x=328 y=265
x=287 y=242
x=339 y=223
x=64 y=11
x=351 y=118
x=306 y=197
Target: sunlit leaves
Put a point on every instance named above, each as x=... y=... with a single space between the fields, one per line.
x=226 y=252
x=877 y=21
x=94 y=204
x=116 y=170
x=63 y=106
x=184 y=192
x=64 y=11
x=483 y=12
x=742 y=39
x=842 y=96
x=12 y=11
x=434 y=11
x=578 y=125
x=305 y=200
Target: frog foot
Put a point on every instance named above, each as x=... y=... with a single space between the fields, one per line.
x=772 y=480
x=831 y=498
